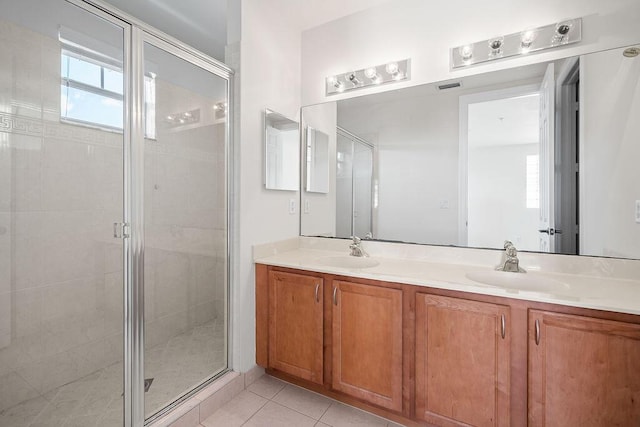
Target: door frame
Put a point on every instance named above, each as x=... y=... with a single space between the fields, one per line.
x=567 y=162
x=463 y=148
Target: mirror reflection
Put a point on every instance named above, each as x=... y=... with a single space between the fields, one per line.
x=543 y=155
x=282 y=152
x=317 y=164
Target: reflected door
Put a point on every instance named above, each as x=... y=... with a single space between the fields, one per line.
x=185 y=224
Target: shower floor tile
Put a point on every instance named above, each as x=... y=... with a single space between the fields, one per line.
x=96 y=400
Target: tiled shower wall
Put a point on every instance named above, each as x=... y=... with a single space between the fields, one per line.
x=60 y=191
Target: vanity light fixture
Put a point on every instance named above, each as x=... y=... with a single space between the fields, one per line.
x=370 y=76
x=530 y=40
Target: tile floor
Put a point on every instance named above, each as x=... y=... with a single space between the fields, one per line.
x=96 y=400
x=269 y=402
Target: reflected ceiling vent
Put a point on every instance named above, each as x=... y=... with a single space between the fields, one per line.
x=449 y=85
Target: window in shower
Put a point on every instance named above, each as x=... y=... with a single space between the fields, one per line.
x=91 y=91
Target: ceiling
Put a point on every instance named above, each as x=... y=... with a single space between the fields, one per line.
x=506 y=121
x=203 y=23
x=198 y=23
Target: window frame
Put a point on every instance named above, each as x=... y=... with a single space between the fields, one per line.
x=104 y=62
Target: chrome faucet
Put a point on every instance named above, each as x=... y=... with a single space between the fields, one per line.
x=511 y=263
x=356 y=247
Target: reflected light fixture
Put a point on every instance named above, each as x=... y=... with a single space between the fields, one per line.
x=386 y=73
x=524 y=42
x=183 y=118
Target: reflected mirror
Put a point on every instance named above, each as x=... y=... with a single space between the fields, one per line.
x=282 y=153
x=543 y=155
x=317 y=164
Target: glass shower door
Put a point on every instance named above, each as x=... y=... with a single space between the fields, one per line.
x=61 y=188
x=185 y=224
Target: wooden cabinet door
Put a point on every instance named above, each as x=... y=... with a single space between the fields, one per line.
x=367 y=343
x=462 y=362
x=295 y=325
x=583 y=371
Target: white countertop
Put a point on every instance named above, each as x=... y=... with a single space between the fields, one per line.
x=576 y=290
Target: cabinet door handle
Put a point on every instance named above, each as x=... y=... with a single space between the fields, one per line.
x=537 y=332
x=317 y=288
x=503 y=325
x=335 y=296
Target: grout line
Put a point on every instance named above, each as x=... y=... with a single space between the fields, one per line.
x=258 y=410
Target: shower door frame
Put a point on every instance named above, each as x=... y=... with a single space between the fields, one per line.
x=135 y=34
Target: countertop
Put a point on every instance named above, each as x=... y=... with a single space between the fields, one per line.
x=576 y=290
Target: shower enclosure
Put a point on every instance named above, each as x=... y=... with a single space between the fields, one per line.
x=354 y=186
x=114 y=147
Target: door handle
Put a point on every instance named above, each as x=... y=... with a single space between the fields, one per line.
x=550 y=231
x=335 y=296
x=537 y=332
x=503 y=326
x=317 y=288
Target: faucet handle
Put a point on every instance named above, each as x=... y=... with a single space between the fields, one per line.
x=512 y=252
x=507 y=243
x=356 y=240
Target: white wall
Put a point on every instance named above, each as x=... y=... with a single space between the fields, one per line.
x=610 y=153
x=497 y=208
x=425 y=31
x=417 y=152
x=268 y=76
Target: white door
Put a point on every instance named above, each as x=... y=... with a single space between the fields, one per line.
x=547 y=112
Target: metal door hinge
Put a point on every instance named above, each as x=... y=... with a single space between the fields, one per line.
x=121 y=230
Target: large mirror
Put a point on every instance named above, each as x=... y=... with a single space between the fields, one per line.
x=544 y=155
x=281 y=152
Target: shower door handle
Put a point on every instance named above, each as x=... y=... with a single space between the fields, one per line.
x=121 y=230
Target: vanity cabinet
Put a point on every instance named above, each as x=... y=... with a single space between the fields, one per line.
x=583 y=371
x=296 y=325
x=367 y=343
x=426 y=356
x=462 y=361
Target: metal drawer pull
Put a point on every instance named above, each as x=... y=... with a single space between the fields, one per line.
x=335 y=299
x=537 y=332
x=317 y=287
x=503 y=325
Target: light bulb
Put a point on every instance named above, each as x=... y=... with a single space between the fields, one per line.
x=181 y=121
x=170 y=118
x=187 y=114
x=352 y=78
x=339 y=86
x=371 y=73
x=332 y=80
x=495 y=45
x=392 y=67
x=526 y=39
x=466 y=52
x=562 y=32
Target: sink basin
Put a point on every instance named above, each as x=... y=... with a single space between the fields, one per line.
x=518 y=281
x=348 y=261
